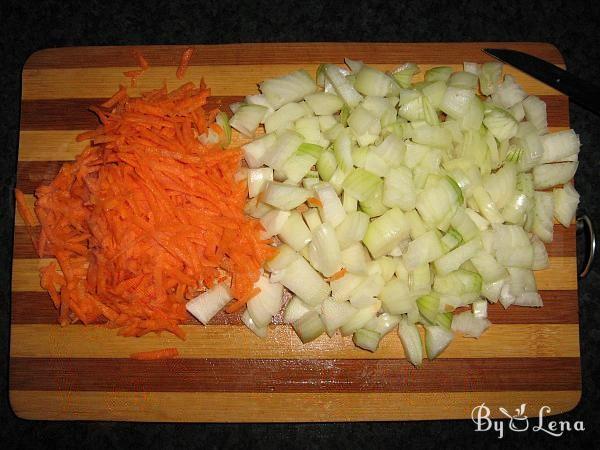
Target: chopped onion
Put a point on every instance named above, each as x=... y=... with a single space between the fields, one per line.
x=480 y=309
x=426 y=197
x=360 y=319
x=535 y=113
x=508 y=93
x=301 y=161
x=385 y=232
x=323 y=103
x=488 y=267
x=206 y=305
x=396 y=297
x=332 y=209
x=542 y=220
x=324 y=250
x=559 y=146
x=342 y=86
x=288 y=88
x=437 y=339
x=424 y=249
x=489 y=77
x=273 y=222
x=454 y=259
x=264 y=305
x=294 y=232
x=247 y=118
x=309 y=327
x=334 y=314
x=565 y=204
x=304 y=281
x=548 y=175
x=247 y=320
x=284 y=196
x=411 y=342
x=540 y=254
x=254 y=152
x=281 y=118
x=355 y=258
x=382 y=324
x=257 y=180
x=295 y=309
x=282 y=149
x=470 y=325
x=366 y=339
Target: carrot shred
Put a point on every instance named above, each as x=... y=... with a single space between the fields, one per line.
x=142 y=62
x=236 y=306
x=152 y=355
x=302 y=208
x=336 y=276
x=120 y=95
x=145 y=216
x=313 y=201
x=186 y=56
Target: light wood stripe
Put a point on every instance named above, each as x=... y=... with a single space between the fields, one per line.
x=559 y=307
x=222 y=79
x=274 y=407
x=560 y=276
x=292 y=375
x=225 y=341
x=280 y=53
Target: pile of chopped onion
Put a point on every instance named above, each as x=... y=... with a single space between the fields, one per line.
x=398 y=202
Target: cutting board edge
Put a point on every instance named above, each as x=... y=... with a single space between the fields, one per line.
x=38 y=59
x=22 y=412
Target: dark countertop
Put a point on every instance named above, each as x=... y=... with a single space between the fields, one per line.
x=571 y=26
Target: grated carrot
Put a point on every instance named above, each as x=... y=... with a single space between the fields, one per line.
x=135 y=74
x=183 y=63
x=313 y=201
x=336 y=276
x=146 y=216
x=165 y=353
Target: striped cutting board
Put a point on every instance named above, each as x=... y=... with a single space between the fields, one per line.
x=225 y=372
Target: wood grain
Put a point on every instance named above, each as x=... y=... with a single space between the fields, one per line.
x=528 y=355
x=278 y=407
x=305 y=375
x=225 y=341
x=276 y=53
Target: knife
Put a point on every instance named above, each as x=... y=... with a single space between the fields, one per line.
x=581 y=92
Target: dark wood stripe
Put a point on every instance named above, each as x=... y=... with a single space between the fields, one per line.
x=73 y=113
x=31 y=174
x=276 y=53
x=560 y=307
x=283 y=375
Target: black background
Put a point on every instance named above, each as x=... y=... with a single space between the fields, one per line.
x=27 y=26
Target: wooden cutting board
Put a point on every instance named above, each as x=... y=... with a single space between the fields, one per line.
x=226 y=374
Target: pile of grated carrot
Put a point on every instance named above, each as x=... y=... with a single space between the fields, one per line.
x=146 y=217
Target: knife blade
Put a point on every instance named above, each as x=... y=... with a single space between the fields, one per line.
x=579 y=91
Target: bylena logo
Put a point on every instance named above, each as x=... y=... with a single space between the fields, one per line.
x=519 y=422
